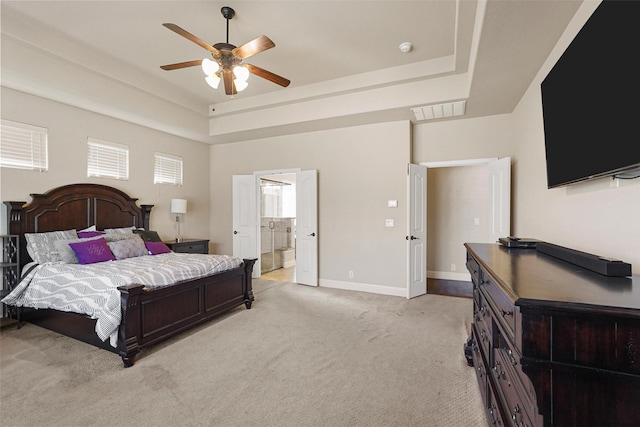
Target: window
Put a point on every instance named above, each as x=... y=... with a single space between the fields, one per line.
x=167 y=169
x=23 y=146
x=107 y=159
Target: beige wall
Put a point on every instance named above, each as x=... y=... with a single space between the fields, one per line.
x=600 y=216
x=359 y=169
x=456 y=196
x=68 y=129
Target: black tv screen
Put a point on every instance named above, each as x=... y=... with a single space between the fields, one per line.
x=591 y=99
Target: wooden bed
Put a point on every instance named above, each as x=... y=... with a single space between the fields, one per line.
x=148 y=316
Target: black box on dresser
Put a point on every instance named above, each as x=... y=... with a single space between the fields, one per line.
x=553 y=344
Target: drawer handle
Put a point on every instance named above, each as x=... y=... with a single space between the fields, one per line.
x=506 y=313
x=514 y=362
x=497 y=373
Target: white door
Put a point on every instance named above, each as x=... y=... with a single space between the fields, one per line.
x=307 y=228
x=245 y=219
x=417 y=231
x=500 y=194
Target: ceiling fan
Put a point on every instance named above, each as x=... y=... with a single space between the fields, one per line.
x=227 y=59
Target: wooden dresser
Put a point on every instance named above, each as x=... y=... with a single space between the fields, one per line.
x=553 y=344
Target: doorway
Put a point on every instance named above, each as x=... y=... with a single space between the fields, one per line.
x=278 y=227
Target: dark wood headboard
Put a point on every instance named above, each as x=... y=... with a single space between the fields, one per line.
x=74 y=206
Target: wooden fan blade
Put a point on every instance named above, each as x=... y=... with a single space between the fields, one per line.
x=261 y=72
x=187 y=35
x=181 y=65
x=229 y=87
x=256 y=45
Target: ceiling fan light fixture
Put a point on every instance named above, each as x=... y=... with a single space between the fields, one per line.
x=209 y=67
x=213 y=80
x=240 y=85
x=241 y=73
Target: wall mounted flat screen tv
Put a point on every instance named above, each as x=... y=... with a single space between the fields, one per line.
x=591 y=99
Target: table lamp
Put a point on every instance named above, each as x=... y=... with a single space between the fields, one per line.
x=178 y=207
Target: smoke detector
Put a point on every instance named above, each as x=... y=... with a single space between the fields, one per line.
x=405 y=47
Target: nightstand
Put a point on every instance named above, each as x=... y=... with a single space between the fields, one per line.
x=194 y=246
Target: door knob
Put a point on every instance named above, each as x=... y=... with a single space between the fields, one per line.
x=235 y=232
x=312 y=234
x=412 y=238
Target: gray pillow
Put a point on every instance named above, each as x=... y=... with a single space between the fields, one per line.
x=123 y=230
x=128 y=248
x=41 y=246
x=66 y=253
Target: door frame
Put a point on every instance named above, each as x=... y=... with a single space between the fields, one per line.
x=258 y=175
x=470 y=162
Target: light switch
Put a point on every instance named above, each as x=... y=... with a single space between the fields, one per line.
x=392 y=203
x=476 y=221
x=388 y=222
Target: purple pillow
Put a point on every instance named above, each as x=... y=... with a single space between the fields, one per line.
x=90 y=251
x=156 y=248
x=85 y=234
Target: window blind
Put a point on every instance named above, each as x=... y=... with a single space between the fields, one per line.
x=107 y=159
x=167 y=169
x=23 y=146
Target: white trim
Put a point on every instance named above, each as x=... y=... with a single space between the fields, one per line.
x=364 y=287
x=450 y=163
x=276 y=171
x=449 y=275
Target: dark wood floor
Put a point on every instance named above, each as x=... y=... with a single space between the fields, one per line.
x=452 y=288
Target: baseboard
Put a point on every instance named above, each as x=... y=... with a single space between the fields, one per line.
x=449 y=275
x=453 y=288
x=363 y=287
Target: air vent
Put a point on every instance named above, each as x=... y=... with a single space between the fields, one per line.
x=439 y=111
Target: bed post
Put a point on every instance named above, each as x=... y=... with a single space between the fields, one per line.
x=248 y=272
x=146 y=214
x=14 y=226
x=129 y=329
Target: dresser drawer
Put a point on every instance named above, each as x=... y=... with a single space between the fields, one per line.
x=515 y=386
x=482 y=320
x=474 y=269
x=479 y=365
x=505 y=310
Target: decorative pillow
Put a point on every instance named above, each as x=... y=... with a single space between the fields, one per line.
x=92 y=228
x=148 y=236
x=92 y=251
x=119 y=230
x=84 y=234
x=113 y=237
x=156 y=248
x=66 y=254
x=128 y=248
x=41 y=248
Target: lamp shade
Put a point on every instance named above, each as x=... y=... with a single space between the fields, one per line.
x=178 y=206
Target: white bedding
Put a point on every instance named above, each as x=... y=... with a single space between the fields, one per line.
x=92 y=289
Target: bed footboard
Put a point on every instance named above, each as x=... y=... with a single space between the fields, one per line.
x=149 y=316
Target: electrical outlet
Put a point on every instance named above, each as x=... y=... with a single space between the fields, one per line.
x=350 y=274
x=453 y=267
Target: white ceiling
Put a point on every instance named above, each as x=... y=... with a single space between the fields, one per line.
x=326 y=48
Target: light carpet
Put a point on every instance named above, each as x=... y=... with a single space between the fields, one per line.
x=301 y=356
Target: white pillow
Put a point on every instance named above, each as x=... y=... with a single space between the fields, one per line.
x=41 y=246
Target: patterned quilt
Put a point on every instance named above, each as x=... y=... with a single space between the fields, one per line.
x=91 y=289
